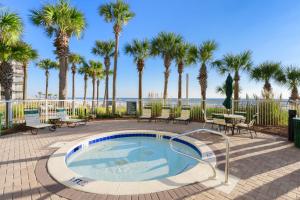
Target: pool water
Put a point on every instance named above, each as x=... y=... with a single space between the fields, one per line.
x=130 y=159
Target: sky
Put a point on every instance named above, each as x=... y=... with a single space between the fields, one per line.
x=269 y=28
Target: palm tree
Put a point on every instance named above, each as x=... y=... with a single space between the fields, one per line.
x=61 y=21
x=105 y=49
x=94 y=69
x=47 y=65
x=84 y=70
x=182 y=58
x=119 y=14
x=11 y=28
x=74 y=60
x=222 y=88
x=205 y=55
x=292 y=80
x=164 y=45
x=265 y=72
x=139 y=50
x=26 y=56
x=235 y=64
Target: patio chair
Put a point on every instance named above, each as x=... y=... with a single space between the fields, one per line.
x=185 y=116
x=207 y=120
x=165 y=115
x=146 y=114
x=65 y=119
x=229 y=124
x=32 y=120
x=219 y=121
x=249 y=127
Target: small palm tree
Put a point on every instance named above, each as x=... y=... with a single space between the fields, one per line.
x=292 y=80
x=182 y=58
x=61 y=21
x=94 y=69
x=222 y=89
x=139 y=50
x=105 y=49
x=84 y=70
x=235 y=64
x=27 y=55
x=11 y=28
x=265 y=72
x=205 y=55
x=47 y=65
x=119 y=14
x=100 y=76
x=164 y=45
x=74 y=60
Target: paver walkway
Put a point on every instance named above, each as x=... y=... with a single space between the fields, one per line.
x=268 y=166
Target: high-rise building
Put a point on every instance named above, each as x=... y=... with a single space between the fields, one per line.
x=17 y=87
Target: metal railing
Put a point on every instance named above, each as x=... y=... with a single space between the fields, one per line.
x=270 y=112
x=203 y=161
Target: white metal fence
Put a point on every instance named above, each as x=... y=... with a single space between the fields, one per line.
x=270 y=112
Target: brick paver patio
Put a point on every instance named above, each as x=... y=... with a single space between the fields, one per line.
x=268 y=166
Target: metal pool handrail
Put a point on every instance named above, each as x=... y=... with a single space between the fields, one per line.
x=208 y=131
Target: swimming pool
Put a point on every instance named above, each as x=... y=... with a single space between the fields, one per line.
x=132 y=157
x=130 y=162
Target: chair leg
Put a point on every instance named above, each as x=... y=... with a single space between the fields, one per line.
x=249 y=131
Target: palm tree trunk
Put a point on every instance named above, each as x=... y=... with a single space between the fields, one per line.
x=25 y=81
x=180 y=70
x=267 y=89
x=98 y=86
x=63 y=78
x=73 y=83
x=106 y=93
x=94 y=93
x=294 y=94
x=140 y=90
x=236 y=90
x=203 y=84
x=115 y=73
x=6 y=81
x=85 y=88
x=47 y=79
x=167 y=63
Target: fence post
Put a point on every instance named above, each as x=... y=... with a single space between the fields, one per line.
x=232 y=106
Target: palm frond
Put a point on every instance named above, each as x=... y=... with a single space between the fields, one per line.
x=11 y=27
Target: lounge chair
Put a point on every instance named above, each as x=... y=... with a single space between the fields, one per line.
x=249 y=127
x=65 y=119
x=185 y=116
x=146 y=114
x=165 y=115
x=207 y=120
x=32 y=119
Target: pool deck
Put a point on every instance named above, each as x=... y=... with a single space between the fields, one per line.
x=268 y=167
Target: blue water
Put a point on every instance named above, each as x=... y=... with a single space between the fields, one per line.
x=132 y=159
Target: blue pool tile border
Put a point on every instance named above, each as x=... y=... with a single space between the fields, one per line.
x=97 y=140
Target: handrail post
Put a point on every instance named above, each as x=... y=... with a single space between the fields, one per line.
x=212 y=132
x=227 y=162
